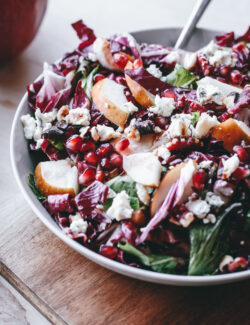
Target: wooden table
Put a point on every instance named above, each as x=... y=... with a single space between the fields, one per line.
x=61 y=284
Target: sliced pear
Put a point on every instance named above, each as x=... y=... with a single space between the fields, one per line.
x=108 y=96
x=103 y=54
x=231 y=132
x=143 y=168
x=141 y=95
x=56 y=177
x=188 y=169
x=223 y=87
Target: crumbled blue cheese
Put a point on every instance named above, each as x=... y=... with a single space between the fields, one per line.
x=78 y=225
x=218 y=55
x=163 y=153
x=163 y=106
x=204 y=125
x=205 y=164
x=83 y=131
x=210 y=218
x=29 y=126
x=229 y=166
x=104 y=133
x=48 y=117
x=130 y=108
x=214 y=200
x=180 y=126
x=187 y=219
x=209 y=93
x=120 y=208
x=200 y=208
x=78 y=116
x=142 y=193
x=155 y=71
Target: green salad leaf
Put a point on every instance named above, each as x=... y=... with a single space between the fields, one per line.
x=87 y=81
x=57 y=144
x=158 y=263
x=123 y=183
x=195 y=117
x=32 y=185
x=208 y=244
x=181 y=77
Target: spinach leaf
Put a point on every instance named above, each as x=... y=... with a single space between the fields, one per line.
x=57 y=144
x=158 y=263
x=87 y=81
x=195 y=117
x=181 y=77
x=32 y=185
x=208 y=244
x=123 y=183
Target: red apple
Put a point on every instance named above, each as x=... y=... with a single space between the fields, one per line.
x=19 y=23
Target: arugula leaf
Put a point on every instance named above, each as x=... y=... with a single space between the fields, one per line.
x=87 y=81
x=123 y=183
x=32 y=185
x=208 y=244
x=158 y=263
x=57 y=144
x=195 y=117
x=181 y=77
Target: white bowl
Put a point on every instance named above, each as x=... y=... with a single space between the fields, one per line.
x=22 y=165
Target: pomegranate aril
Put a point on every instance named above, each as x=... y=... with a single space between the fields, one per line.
x=87 y=176
x=199 y=180
x=170 y=94
x=108 y=251
x=241 y=152
x=100 y=175
x=105 y=164
x=224 y=71
x=236 y=77
x=92 y=158
x=120 y=59
x=239 y=47
x=238 y=263
x=99 y=77
x=137 y=63
x=81 y=166
x=160 y=121
x=87 y=145
x=74 y=143
x=122 y=144
x=104 y=150
x=116 y=160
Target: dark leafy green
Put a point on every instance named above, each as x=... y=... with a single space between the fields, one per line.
x=87 y=81
x=32 y=185
x=57 y=144
x=208 y=244
x=195 y=117
x=158 y=263
x=124 y=183
x=181 y=77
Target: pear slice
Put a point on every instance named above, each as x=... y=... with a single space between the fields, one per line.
x=143 y=168
x=56 y=177
x=231 y=132
x=108 y=96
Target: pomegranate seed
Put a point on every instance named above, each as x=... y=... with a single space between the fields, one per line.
x=240 y=173
x=92 y=158
x=104 y=150
x=236 y=77
x=74 y=143
x=99 y=77
x=116 y=160
x=100 y=175
x=105 y=163
x=239 y=47
x=241 y=152
x=87 y=145
x=199 y=179
x=224 y=117
x=81 y=166
x=120 y=59
x=170 y=94
x=122 y=144
x=137 y=64
x=87 y=176
x=108 y=251
x=224 y=71
x=160 y=121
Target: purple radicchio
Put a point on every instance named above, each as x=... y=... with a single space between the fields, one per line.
x=88 y=199
x=160 y=215
x=153 y=53
x=85 y=34
x=33 y=89
x=80 y=98
x=125 y=43
x=242 y=102
x=59 y=203
x=245 y=37
x=225 y=39
x=68 y=63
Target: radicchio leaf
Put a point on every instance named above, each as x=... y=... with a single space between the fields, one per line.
x=80 y=98
x=85 y=34
x=59 y=203
x=125 y=43
x=33 y=89
x=225 y=39
x=242 y=102
x=153 y=53
x=160 y=215
x=245 y=37
x=88 y=199
x=68 y=63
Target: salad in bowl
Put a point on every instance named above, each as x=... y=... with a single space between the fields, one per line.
x=142 y=151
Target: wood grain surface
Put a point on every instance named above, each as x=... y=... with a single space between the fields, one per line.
x=60 y=283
